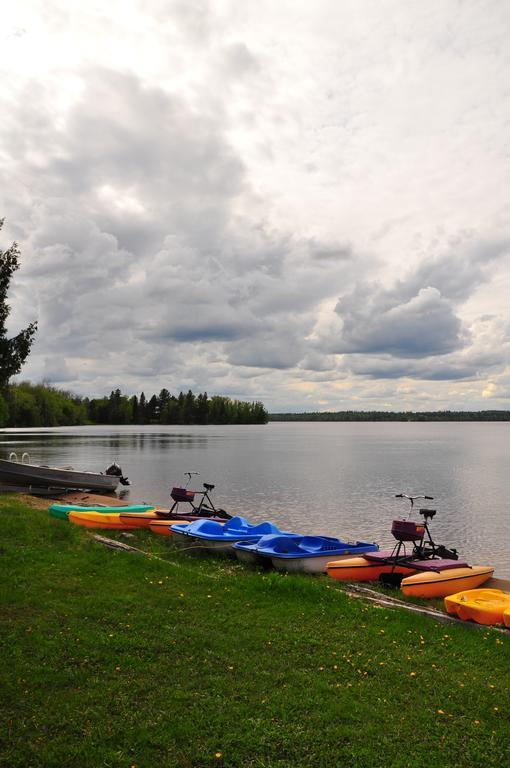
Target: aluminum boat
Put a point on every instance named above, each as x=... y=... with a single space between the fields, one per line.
x=24 y=473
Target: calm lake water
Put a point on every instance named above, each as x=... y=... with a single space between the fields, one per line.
x=336 y=479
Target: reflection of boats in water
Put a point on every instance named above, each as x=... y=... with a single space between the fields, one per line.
x=37 y=476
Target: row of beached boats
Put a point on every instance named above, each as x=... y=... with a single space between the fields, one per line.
x=416 y=563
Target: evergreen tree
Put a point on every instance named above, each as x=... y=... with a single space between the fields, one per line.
x=142 y=406
x=189 y=408
x=202 y=409
x=152 y=410
x=179 y=419
x=164 y=398
x=169 y=413
x=13 y=352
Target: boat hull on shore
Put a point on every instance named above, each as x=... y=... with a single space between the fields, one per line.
x=307 y=554
x=444 y=583
x=24 y=474
x=216 y=546
x=254 y=553
x=220 y=537
x=163 y=527
x=361 y=569
x=99 y=520
x=138 y=519
x=62 y=510
x=483 y=606
x=315 y=564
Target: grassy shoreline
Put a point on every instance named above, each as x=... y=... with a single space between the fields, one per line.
x=115 y=659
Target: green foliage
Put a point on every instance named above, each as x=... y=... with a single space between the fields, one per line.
x=4 y=412
x=43 y=406
x=393 y=416
x=169 y=409
x=29 y=405
x=13 y=352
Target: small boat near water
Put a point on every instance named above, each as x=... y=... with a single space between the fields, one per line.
x=24 y=473
x=309 y=554
x=415 y=550
x=161 y=526
x=441 y=578
x=219 y=537
x=62 y=510
x=253 y=552
x=364 y=568
x=109 y=520
x=483 y=606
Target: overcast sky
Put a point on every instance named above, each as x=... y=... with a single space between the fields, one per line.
x=306 y=203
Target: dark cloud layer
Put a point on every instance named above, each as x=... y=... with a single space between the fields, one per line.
x=373 y=323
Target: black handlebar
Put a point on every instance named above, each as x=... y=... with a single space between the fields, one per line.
x=412 y=499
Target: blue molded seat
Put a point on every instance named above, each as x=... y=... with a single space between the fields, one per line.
x=260 y=545
x=311 y=546
x=235 y=529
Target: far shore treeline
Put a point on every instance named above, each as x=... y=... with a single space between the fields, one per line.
x=393 y=416
x=39 y=405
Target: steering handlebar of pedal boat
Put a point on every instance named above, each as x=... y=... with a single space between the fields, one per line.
x=412 y=499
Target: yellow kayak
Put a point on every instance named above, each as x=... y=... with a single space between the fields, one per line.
x=484 y=606
x=100 y=520
x=448 y=582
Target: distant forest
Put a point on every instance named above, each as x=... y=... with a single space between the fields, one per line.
x=29 y=405
x=394 y=416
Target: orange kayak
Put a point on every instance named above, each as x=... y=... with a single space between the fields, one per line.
x=361 y=569
x=163 y=527
x=138 y=519
x=100 y=520
x=447 y=582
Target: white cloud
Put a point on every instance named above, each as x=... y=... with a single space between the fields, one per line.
x=313 y=218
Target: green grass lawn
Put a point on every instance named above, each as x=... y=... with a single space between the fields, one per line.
x=115 y=659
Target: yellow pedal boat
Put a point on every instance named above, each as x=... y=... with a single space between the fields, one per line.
x=484 y=606
x=447 y=582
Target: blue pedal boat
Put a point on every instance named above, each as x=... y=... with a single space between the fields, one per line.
x=310 y=554
x=253 y=552
x=219 y=537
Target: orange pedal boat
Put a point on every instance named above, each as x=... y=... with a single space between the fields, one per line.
x=363 y=569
